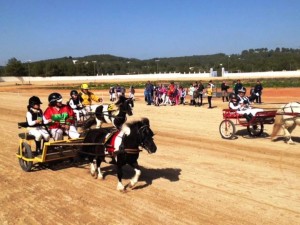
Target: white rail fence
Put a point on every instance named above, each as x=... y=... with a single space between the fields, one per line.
x=155 y=76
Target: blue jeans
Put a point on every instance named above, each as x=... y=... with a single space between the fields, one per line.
x=148 y=97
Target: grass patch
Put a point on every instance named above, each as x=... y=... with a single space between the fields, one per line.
x=266 y=82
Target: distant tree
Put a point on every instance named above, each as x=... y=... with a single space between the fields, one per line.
x=2 y=71
x=14 y=67
x=277 y=50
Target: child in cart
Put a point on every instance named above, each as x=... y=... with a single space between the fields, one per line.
x=242 y=105
x=34 y=117
x=87 y=97
x=60 y=118
x=76 y=105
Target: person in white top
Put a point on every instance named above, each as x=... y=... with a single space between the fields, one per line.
x=34 y=117
x=241 y=104
x=76 y=104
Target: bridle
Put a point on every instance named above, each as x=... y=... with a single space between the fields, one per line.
x=142 y=137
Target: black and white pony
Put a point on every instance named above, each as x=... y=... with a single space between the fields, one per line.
x=115 y=113
x=128 y=141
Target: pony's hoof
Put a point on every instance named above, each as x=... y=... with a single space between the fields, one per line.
x=132 y=183
x=120 y=187
x=100 y=176
x=92 y=169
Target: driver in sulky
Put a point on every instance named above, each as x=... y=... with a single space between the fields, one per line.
x=241 y=104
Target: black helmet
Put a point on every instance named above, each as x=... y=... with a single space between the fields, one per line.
x=242 y=90
x=54 y=98
x=34 y=100
x=232 y=96
x=73 y=92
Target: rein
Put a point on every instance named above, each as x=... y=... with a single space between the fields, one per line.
x=132 y=150
x=292 y=113
x=142 y=139
x=112 y=116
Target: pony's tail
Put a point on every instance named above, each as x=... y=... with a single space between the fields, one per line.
x=277 y=125
x=88 y=123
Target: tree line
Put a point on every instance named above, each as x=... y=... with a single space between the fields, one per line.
x=252 y=60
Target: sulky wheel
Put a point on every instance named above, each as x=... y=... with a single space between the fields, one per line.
x=27 y=153
x=255 y=129
x=227 y=129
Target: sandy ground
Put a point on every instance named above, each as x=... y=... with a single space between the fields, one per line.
x=196 y=177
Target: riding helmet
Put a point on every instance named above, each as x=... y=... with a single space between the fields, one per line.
x=242 y=90
x=73 y=92
x=34 y=100
x=84 y=86
x=54 y=98
x=232 y=96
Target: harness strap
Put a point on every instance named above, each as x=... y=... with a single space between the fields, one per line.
x=111 y=115
x=132 y=150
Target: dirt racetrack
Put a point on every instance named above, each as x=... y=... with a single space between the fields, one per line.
x=196 y=177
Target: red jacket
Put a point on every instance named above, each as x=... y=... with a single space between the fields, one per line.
x=61 y=116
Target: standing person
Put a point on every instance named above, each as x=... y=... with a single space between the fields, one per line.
x=149 y=92
x=118 y=90
x=209 y=92
x=196 y=94
x=224 y=89
x=163 y=93
x=171 y=92
x=131 y=92
x=87 y=97
x=112 y=94
x=237 y=87
x=34 y=117
x=177 y=94
x=200 y=89
x=182 y=95
x=211 y=84
x=156 y=95
x=76 y=105
x=258 y=91
x=252 y=96
x=191 y=94
x=123 y=91
x=233 y=87
x=60 y=118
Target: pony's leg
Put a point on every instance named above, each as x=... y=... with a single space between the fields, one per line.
x=275 y=131
x=98 y=123
x=120 y=186
x=100 y=174
x=290 y=129
x=93 y=167
x=287 y=135
x=278 y=125
x=137 y=174
x=135 y=178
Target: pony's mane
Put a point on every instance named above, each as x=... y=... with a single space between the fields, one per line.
x=143 y=121
x=88 y=123
x=121 y=100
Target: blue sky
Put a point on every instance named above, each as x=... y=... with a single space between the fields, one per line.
x=39 y=29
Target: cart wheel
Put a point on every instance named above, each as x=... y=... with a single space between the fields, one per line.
x=26 y=152
x=227 y=129
x=255 y=129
